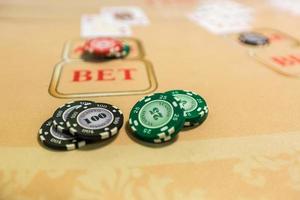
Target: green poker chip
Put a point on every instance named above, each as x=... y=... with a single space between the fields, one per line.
x=156 y=118
x=194 y=106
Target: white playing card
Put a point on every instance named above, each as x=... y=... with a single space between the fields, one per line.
x=129 y=15
x=292 y=6
x=223 y=17
x=96 y=26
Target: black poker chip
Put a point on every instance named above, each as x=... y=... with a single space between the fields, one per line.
x=252 y=38
x=95 y=122
x=61 y=114
x=56 y=140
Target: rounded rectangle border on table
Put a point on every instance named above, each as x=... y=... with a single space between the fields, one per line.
x=76 y=78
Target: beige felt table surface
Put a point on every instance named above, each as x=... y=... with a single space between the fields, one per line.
x=248 y=148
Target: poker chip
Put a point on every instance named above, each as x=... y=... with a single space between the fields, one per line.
x=56 y=140
x=156 y=118
x=102 y=46
x=194 y=106
x=126 y=50
x=252 y=38
x=98 y=121
x=61 y=114
x=106 y=48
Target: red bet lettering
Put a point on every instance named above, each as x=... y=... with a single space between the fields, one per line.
x=296 y=58
x=105 y=75
x=82 y=75
x=127 y=73
x=287 y=60
x=275 y=37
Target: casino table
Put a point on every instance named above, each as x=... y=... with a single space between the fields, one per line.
x=247 y=148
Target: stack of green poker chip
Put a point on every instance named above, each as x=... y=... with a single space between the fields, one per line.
x=194 y=106
x=156 y=118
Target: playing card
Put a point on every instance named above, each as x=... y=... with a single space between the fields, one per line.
x=96 y=26
x=129 y=15
x=291 y=6
x=222 y=17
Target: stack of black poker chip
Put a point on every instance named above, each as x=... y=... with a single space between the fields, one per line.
x=78 y=123
x=254 y=39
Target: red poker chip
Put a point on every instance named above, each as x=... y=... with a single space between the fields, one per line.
x=103 y=46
